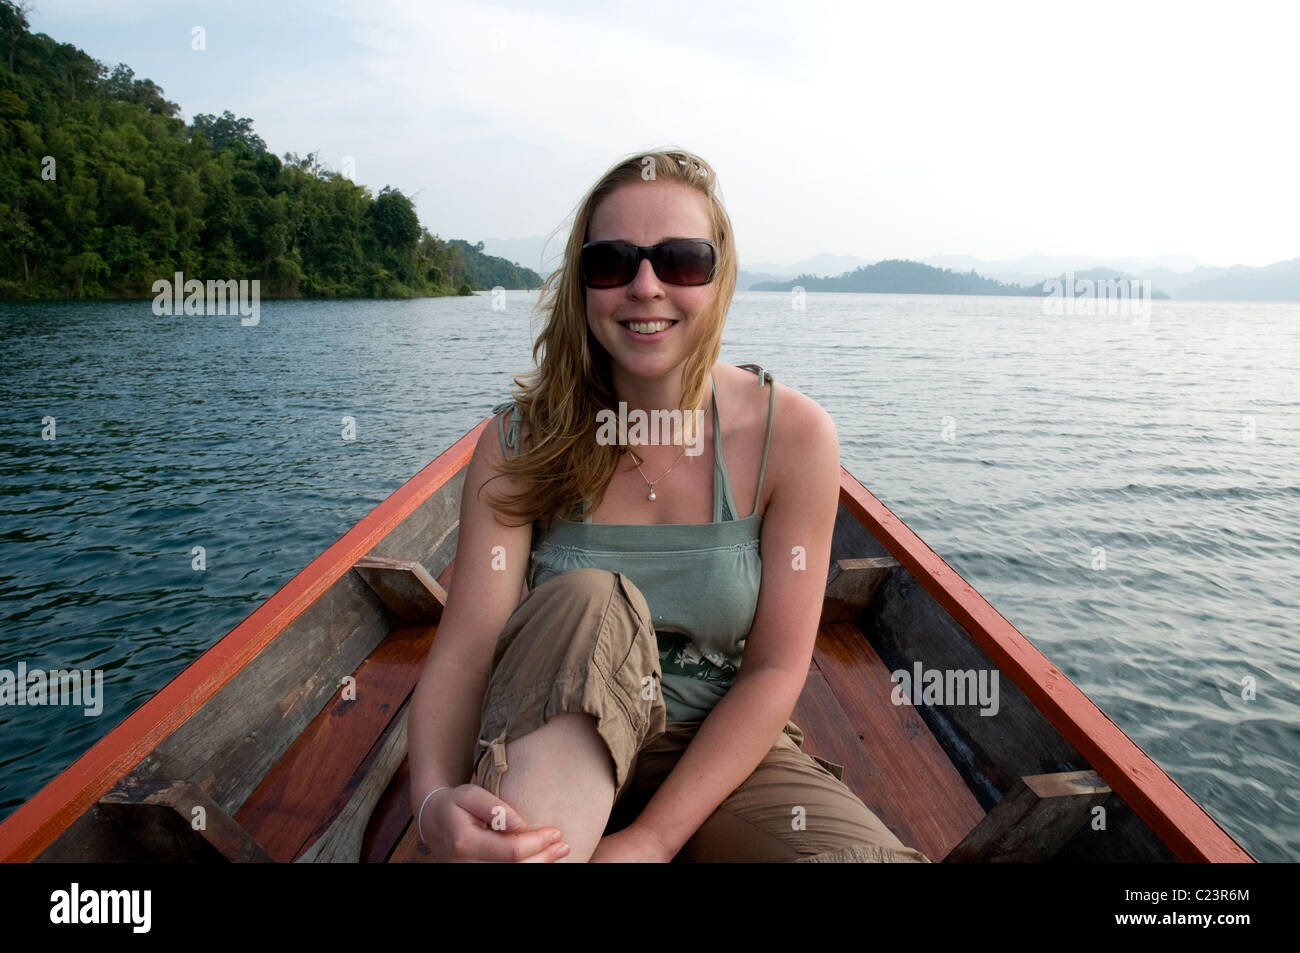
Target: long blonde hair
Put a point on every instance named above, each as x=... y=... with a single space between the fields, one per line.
x=563 y=464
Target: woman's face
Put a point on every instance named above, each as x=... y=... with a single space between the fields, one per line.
x=646 y=213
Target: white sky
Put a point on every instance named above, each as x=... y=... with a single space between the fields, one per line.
x=892 y=129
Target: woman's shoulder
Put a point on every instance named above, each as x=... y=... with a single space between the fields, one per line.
x=509 y=427
x=792 y=412
x=802 y=433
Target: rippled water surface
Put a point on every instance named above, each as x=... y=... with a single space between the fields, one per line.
x=1126 y=492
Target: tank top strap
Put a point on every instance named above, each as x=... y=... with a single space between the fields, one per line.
x=510 y=443
x=509 y=438
x=724 y=503
x=764 y=377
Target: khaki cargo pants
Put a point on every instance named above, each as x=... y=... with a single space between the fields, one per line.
x=583 y=642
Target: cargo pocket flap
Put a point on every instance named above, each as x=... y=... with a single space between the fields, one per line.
x=831 y=766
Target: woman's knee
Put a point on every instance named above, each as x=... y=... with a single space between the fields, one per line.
x=597 y=586
x=579 y=615
x=578 y=644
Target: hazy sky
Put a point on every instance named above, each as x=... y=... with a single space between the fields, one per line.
x=871 y=129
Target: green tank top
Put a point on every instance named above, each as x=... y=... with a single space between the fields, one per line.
x=700 y=581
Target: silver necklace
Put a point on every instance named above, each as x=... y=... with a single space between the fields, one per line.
x=651 y=483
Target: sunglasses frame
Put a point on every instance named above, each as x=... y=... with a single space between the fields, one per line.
x=648 y=251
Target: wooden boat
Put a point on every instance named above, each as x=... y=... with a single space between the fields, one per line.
x=286 y=741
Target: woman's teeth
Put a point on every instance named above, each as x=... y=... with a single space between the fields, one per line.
x=648 y=327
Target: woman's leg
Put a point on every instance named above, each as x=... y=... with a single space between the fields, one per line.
x=793 y=809
x=561 y=775
x=568 y=704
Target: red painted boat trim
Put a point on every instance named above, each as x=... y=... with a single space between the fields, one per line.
x=1166 y=808
x=39 y=822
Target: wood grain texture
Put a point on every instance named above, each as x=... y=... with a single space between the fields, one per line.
x=1034 y=820
x=229 y=745
x=390 y=817
x=993 y=751
x=341 y=844
x=405 y=586
x=176 y=822
x=829 y=734
x=310 y=785
x=911 y=768
x=852 y=584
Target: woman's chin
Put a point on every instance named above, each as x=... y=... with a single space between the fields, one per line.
x=650 y=367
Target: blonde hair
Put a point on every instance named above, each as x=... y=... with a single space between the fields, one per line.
x=562 y=464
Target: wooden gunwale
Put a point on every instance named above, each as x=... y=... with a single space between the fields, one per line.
x=1171 y=813
x=36 y=824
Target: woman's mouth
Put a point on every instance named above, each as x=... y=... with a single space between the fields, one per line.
x=647 y=329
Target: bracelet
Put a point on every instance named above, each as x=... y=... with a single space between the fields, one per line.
x=418 y=827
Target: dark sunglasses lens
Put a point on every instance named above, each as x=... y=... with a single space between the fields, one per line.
x=684 y=263
x=609 y=264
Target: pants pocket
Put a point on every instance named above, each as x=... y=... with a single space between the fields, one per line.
x=831 y=766
x=637 y=673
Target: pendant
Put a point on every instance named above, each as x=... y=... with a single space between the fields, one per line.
x=652 y=494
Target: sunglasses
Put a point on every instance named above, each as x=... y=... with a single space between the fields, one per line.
x=678 y=261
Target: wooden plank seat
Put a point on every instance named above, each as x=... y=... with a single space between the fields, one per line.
x=1034 y=820
x=177 y=822
x=405 y=586
x=851 y=584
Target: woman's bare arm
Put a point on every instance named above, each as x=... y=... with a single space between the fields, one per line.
x=445 y=707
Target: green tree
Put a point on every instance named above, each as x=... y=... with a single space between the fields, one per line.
x=227 y=131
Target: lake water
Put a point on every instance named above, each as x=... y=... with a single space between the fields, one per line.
x=1024 y=448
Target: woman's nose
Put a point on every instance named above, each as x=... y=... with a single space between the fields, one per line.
x=646 y=283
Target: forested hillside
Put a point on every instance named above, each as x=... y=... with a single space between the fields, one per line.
x=103 y=190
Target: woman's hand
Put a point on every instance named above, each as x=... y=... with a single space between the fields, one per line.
x=632 y=845
x=468 y=823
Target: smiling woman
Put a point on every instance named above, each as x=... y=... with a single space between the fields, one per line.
x=635 y=704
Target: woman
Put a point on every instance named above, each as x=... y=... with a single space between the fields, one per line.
x=610 y=708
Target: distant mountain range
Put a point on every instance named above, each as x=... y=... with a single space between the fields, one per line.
x=900 y=277
x=912 y=277
x=1178 y=276
x=1174 y=276
x=1033 y=269
x=1276 y=282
